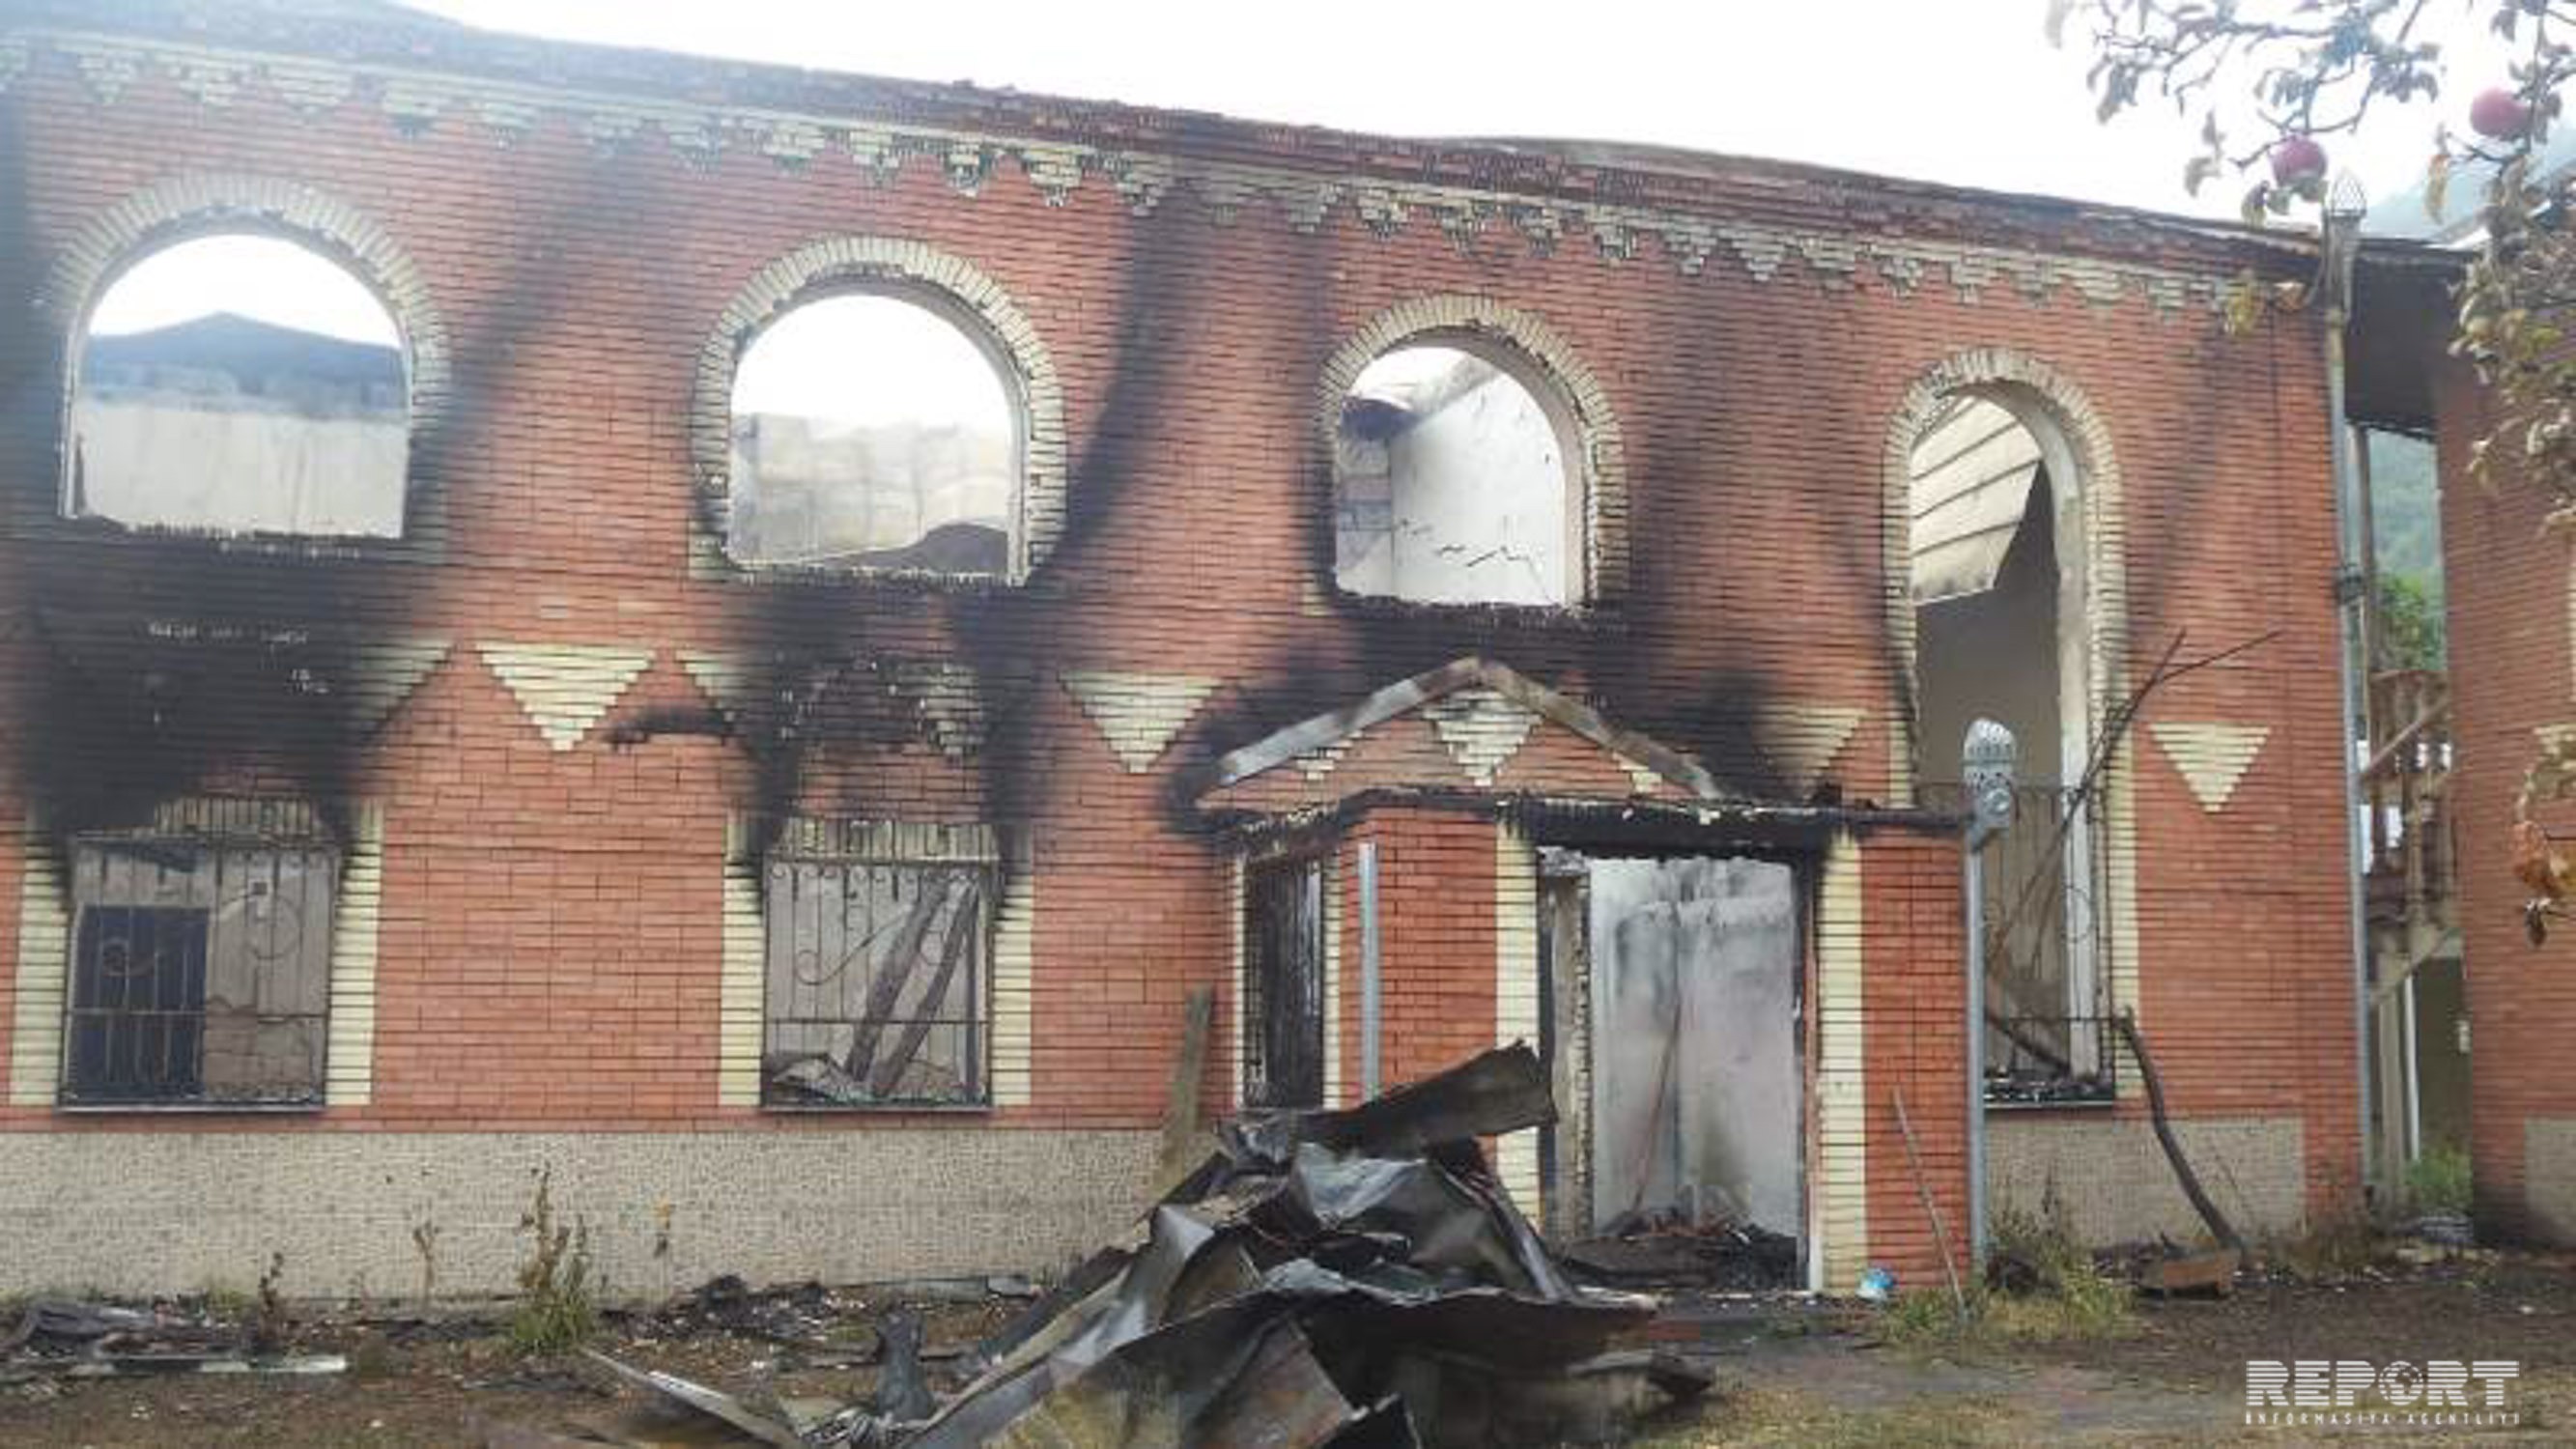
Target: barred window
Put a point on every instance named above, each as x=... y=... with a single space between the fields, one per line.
x=879 y=953
x=201 y=972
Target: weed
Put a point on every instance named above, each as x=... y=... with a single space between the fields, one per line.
x=558 y=1304
x=2056 y=1292
x=2438 y=1181
x=2334 y=1246
x=424 y=1241
x=269 y=1321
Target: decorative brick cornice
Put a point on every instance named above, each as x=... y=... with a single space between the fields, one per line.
x=954 y=287
x=417 y=100
x=1529 y=346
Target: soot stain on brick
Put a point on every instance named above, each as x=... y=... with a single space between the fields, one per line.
x=177 y=667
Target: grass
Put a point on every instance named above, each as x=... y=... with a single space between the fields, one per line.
x=2069 y=1297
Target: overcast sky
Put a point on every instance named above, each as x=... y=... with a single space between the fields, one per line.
x=1960 y=91
x=1965 y=91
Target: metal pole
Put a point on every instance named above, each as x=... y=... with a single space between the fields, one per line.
x=1976 y=885
x=1986 y=767
x=1369 y=1001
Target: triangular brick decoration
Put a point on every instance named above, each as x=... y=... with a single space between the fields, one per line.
x=565 y=688
x=2211 y=757
x=1138 y=714
x=1482 y=728
x=725 y=679
x=1802 y=740
x=382 y=675
x=1318 y=762
x=1644 y=776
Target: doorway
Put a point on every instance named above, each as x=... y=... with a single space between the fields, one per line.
x=1685 y=973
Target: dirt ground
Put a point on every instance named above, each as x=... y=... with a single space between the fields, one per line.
x=1805 y=1376
x=1826 y=1380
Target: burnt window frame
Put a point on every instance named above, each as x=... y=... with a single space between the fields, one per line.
x=1313 y=876
x=184 y=852
x=842 y=845
x=972 y=329
x=959 y=293
x=191 y=206
x=1590 y=445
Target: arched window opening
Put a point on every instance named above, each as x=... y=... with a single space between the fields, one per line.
x=241 y=383
x=1995 y=560
x=871 y=431
x=1453 y=482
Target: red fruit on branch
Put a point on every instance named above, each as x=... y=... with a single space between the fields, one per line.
x=2298 y=160
x=2500 y=114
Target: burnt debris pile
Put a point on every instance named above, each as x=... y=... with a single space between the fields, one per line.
x=1348 y=1278
x=1345 y=1277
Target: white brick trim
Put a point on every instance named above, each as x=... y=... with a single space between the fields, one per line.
x=1517 y=1008
x=44 y=957
x=1841 y=1179
x=349 y=1060
x=742 y=977
x=1014 y=1010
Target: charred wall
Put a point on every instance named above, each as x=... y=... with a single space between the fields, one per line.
x=554 y=933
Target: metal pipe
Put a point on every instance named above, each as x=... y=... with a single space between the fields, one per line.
x=1369 y=978
x=1986 y=766
x=2341 y=242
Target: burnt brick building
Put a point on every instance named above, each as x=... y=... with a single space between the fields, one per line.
x=1427 y=595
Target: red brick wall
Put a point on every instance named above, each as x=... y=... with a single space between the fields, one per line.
x=551 y=928
x=2508 y=597
x=1916 y=1004
x=1436 y=877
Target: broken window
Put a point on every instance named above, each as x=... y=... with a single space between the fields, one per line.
x=201 y=972
x=240 y=383
x=878 y=955
x=2000 y=608
x=1283 y=984
x=1452 y=482
x=872 y=431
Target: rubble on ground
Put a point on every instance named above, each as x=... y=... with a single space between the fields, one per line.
x=1666 y=1250
x=1355 y=1277
x=59 y=1338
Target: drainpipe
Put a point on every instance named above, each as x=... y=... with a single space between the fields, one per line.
x=1372 y=1005
x=2340 y=240
x=1986 y=767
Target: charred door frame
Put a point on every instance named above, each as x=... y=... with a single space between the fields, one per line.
x=1564 y=1219
x=1304 y=909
